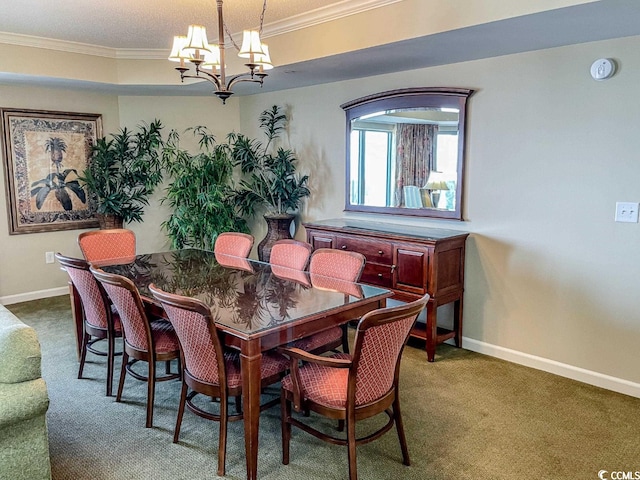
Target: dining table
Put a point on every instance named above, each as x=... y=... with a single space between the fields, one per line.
x=256 y=306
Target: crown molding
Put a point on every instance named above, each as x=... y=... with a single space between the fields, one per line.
x=298 y=22
x=321 y=15
x=53 y=44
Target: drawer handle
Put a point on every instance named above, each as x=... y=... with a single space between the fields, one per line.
x=393 y=267
x=379 y=275
x=380 y=252
x=343 y=247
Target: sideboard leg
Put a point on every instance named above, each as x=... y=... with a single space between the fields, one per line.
x=457 y=321
x=432 y=330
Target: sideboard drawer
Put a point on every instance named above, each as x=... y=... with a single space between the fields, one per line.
x=376 y=274
x=377 y=252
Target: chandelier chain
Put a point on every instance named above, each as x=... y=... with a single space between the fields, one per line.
x=226 y=28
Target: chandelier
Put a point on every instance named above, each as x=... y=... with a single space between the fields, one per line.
x=209 y=60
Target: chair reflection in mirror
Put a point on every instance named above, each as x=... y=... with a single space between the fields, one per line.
x=412 y=197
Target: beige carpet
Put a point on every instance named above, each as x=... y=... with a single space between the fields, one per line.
x=467 y=416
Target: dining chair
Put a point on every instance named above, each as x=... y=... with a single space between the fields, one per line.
x=290 y=253
x=233 y=243
x=206 y=368
x=340 y=265
x=106 y=244
x=151 y=342
x=99 y=321
x=353 y=387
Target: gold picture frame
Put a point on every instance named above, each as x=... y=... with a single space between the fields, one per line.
x=44 y=153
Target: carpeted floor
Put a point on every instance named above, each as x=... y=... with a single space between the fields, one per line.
x=467 y=416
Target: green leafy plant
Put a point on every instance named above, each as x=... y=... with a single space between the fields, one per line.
x=124 y=170
x=269 y=181
x=200 y=191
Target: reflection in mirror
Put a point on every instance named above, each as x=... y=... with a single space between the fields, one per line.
x=405 y=152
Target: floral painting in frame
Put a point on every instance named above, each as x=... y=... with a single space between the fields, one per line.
x=44 y=153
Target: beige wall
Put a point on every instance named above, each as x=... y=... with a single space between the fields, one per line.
x=550 y=151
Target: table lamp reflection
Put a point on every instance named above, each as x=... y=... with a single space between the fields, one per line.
x=435 y=184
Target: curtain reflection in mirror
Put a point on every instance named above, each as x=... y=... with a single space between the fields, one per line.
x=415 y=155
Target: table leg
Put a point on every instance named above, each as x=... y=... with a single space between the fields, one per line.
x=76 y=314
x=432 y=331
x=250 y=359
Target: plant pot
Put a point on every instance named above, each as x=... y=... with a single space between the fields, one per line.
x=109 y=221
x=278 y=228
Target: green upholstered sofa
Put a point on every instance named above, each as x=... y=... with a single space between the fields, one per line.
x=24 y=446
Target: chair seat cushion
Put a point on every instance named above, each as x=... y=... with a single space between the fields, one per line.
x=323 y=385
x=272 y=364
x=317 y=340
x=164 y=336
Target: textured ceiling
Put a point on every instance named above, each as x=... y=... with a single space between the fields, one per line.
x=143 y=24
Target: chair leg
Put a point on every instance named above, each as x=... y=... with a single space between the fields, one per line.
x=345 y=338
x=111 y=345
x=222 y=437
x=351 y=446
x=83 y=353
x=123 y=372
x=285 y=414
x=183 y=401
x=151 y=390
x=238 y=402
x=397 y=417
x=167 y=367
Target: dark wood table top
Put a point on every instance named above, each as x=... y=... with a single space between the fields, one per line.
x=248 y=298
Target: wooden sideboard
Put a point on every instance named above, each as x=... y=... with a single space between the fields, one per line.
x=411 y=261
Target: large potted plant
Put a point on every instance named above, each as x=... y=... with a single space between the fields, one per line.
x=123 y=172
x=200 y=191
x=269 y=182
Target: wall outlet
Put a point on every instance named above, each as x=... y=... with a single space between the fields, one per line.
x=627 y=212
x=48 y=257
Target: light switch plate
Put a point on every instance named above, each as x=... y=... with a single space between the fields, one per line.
x=627 y=212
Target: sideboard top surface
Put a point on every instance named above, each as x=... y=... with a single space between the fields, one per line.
x=395 y=230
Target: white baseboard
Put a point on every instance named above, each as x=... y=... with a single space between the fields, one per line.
x=26 y=297
x=575 y=373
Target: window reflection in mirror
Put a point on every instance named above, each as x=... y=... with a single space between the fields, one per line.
x=405 y=152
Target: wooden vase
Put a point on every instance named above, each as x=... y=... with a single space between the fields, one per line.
x=278 y=228
x=109 y=221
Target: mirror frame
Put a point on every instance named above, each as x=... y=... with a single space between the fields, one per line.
x=428 y=97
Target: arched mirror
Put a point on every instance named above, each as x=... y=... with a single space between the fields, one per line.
x=405 y=152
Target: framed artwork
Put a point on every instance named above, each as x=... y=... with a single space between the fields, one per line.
x=44 y=153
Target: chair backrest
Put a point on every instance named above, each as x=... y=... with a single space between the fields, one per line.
x=380 y=338
x=340 y=264
x=291 y=254
x=126 y=298
x=93 y=304
x=234 y=243
x=107 y=244
x=201 y=347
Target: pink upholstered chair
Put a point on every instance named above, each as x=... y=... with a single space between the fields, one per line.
x=99 y=322
x=340 y=265
x=291 y=254
x=146 y=341
x=352 y=387
x=106 y=244
x=233 y=243
x=206 y=369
